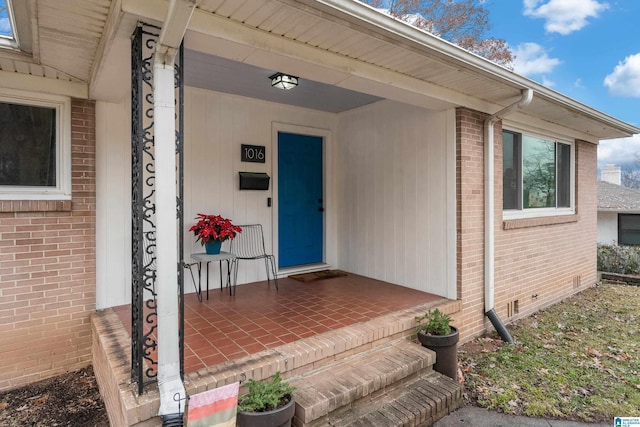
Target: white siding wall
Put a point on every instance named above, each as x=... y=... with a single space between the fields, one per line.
x=215 y=127
x=397 y=196
x=390 y=187
x=608 y=227
x=113 y=204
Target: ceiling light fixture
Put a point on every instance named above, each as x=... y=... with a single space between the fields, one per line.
x=283 y=81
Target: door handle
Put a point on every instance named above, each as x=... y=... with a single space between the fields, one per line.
x=321 y=209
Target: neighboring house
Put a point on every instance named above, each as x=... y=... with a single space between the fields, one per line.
x=618 y=210
x=423 y=152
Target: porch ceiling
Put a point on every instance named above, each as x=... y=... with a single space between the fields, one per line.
x=341 y=44
x=224 y=75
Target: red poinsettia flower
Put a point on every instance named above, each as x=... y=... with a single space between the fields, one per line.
x=214 y=227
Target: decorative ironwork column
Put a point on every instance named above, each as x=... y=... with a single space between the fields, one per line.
x=179 y=84
x=143 y=233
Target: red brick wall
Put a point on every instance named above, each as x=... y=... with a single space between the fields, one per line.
x=47 y=271
x=551 y=257
x=470 y=221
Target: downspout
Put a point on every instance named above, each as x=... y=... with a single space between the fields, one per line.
x=170 y=386
x=489 y=220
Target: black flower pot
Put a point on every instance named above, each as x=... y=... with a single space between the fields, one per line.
x=279 y=417
x=446 y=349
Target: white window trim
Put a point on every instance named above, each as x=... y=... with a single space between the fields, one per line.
x=62 y=105
x=509 y=214
x=10 y=42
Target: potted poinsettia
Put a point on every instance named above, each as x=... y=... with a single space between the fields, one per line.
x=212 y=230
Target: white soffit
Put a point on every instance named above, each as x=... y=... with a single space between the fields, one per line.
x=338 y=42
x=69 y=33
x=357 y=32
x=62 y=46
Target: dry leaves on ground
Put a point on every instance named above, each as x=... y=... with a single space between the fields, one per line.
x=70 y=399
x=578 y=360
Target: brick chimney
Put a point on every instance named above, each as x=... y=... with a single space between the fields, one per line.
x=612 y=173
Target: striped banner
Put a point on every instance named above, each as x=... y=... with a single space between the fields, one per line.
x=214 y=408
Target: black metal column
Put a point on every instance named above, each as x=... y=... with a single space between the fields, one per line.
x=179 y=84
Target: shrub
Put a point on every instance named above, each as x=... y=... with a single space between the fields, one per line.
x=434 y=322
x=266 y=396
x=619 y=259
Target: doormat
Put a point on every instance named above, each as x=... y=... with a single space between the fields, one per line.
x=318 y=275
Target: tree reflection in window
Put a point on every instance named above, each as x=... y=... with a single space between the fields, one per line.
x=536 y=172
x=539 y=172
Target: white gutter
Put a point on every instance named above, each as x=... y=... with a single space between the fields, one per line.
x=489 y=182
x=372 y=21
x=172 y=391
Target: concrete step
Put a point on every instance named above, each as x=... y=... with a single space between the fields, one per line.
x=342 y=386
x=420 y=402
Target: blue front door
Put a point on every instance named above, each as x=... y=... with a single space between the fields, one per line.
x=300 y=204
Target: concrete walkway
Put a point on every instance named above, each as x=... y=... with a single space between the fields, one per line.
x=478 y=417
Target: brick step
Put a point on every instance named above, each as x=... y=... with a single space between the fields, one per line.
x=420 y=402
x=366 y=375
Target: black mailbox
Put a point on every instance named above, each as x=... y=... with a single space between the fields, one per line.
x=254 y=181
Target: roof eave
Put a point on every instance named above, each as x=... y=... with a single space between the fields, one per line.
x=360 y=14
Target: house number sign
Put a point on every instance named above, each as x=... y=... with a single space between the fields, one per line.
x=253 y=153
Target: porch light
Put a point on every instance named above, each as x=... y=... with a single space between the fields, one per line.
x=283 y=81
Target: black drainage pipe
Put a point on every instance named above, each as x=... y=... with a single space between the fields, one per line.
x=500 y=328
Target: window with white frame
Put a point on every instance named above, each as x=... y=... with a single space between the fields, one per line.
x=629 y=229
x=537 y=175
x=8 y=34
x=35 y=145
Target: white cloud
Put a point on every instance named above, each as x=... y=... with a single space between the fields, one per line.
x=618 y=151
x=532 y=59
x=625 y=78
x=564 y=16
x=547 y=82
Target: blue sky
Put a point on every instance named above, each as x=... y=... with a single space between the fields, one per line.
x=588 y=50
x=5 y=28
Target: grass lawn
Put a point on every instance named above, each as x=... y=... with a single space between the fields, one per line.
x=577 y=360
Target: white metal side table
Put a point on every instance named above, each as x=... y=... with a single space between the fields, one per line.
x=207 y=259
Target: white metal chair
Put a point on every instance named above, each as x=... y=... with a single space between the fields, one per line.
x=249 y=245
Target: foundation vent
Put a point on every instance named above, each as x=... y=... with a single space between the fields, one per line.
x=513 y=308
x=577 y=280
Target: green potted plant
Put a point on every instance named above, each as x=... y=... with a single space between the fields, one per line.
x=267 y=404
x=212 y=230
x=435 y=332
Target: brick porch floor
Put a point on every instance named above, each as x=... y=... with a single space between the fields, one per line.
x=257 y=318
